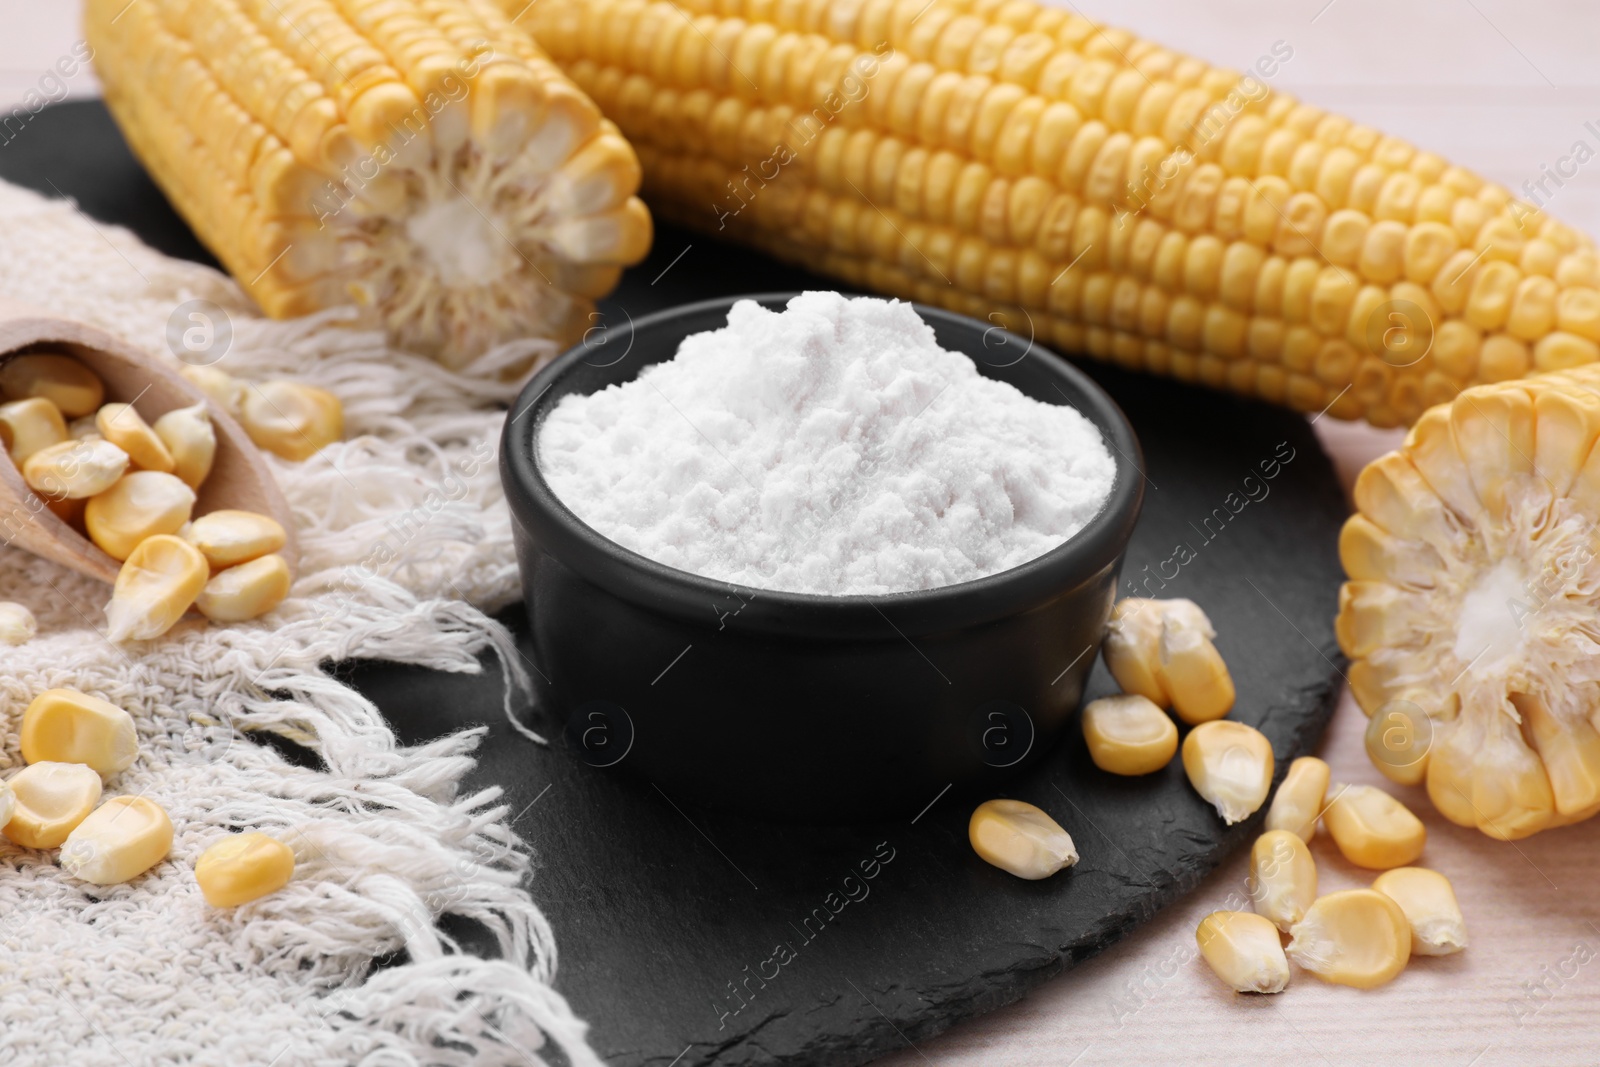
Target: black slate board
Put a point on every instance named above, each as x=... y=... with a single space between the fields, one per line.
x=690 y=938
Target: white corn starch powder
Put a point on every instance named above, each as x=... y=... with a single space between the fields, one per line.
x=830 y=448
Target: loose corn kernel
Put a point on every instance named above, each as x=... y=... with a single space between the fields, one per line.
x=8 y=801
x=230 y=537
x=74 y=470
x=1298 y=803
x=243 y=867
x=125 y=427
x=1131 y=648
x=51 y=800
x=192 y=441
x=120 y=840
x=66 y=726
x=1230 y=765
x=1244 y=951
x=1129 y=734
x=81 y=427
x=1020 y=839
x=1192 y=672
x=17 y=624
x=27 y=426
x=1429 y=904
x=1356 y=937
x=1372 y=828
x=291 y=420
x=1283 y=878
x=222 y=388
x=155 y=586
x=246 y=591
x=64 y=381
x=141 y=504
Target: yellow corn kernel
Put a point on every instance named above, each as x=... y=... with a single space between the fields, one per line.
x=192 y=441
x=156 y=585
x=245 y=591
x=64 y=381
x=27 y=426
x=222 y=388
x=1298 y=803
x=1356 y=937
x=1283 y=878
x=1244 y=951
x=75 y=470
x=120 y=840
x=124 y=427
x=17 y=624
x=229 y=537
x=142 y=504
x=51 y=800
x=243 y=867
x=66 y=726
x=81 y=427
x=1192 y=671
x=1131 y=648
x=1020 y=839
x=291 y=420
x=8 y=801
x=1398 y=738
x=1372 y=828
x=1429 y=904
x=1128 y=734
x=1230 y=765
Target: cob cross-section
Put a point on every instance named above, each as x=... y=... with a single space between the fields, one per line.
x=1093 y=190
x=422 y=158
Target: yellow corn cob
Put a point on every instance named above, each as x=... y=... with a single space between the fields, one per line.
x=420 y=157
x=1470 y=612
x=1096 y=191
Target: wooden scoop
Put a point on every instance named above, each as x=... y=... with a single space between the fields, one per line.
x=239 y=476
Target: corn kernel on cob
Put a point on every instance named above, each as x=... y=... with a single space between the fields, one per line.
x=420 y=157
x=1095 y=191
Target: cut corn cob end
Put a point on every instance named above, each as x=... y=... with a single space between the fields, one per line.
x=438 y=171
x=1473 y=585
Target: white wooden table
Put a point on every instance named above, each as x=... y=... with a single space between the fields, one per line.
x=1503 y=88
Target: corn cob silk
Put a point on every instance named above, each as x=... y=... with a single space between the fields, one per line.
x=422 y=158
x=1087 y=188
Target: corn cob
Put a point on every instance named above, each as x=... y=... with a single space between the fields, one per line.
x=421 y=158
x=1470 y=612
x=1095 y=191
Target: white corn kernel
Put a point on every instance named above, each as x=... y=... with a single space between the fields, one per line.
x=1429 y=904
x=229 y=537
x=125 y=427
x=1020 y=839
x=64 y=381
x=192 y=441
x=156 y=585
x=291 y=420
x=51 y=800
x=1230 y=765
x=1298 y=802
x=243 y=867
x=120 y=840
x=27 y=426
x=1244 y=951
x=75 y=470
x=1372 y=828
x=66 y=726
x=1128 y=734
x=1357 y=937
x=17 y=624
x=1283 y=878
x=222 y=388
x=141 y=504
x=246 y=591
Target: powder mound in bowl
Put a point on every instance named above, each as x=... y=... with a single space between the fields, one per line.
x=829 y=448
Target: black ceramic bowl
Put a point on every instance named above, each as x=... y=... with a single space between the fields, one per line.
x=801 y=706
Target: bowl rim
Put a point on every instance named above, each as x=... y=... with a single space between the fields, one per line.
x=656 y=586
